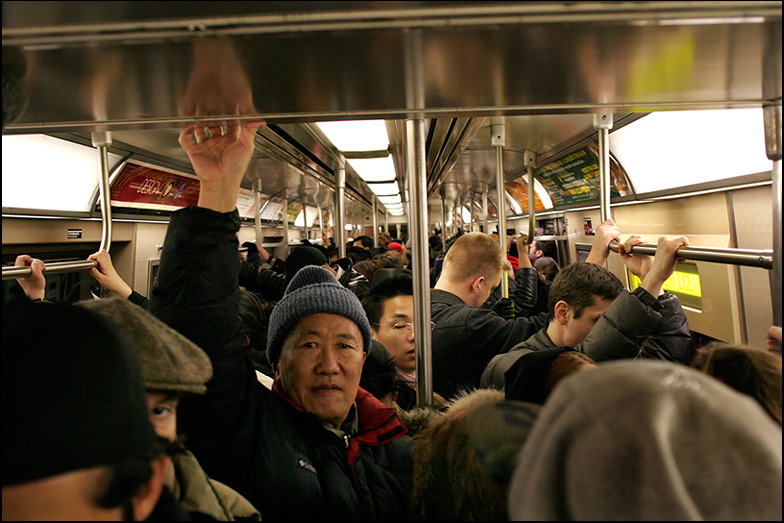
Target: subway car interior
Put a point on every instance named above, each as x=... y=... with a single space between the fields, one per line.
x=543 y=118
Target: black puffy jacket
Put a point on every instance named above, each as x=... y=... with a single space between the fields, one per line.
x=257 y=441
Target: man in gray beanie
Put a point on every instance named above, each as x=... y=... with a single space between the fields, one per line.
x=316 y=446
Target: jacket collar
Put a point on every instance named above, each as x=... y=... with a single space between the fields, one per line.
x=378 y=423
x=437 y=295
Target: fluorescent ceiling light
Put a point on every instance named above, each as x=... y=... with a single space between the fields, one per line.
x=389 y=199
x=357 y=135
x=384 y=189
x=45 y=173
x=396 y=213
x=466 y=215
x=374 y=169
x=670 y=149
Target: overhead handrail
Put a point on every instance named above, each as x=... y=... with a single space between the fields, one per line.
x=17 y=272
x=744 y=257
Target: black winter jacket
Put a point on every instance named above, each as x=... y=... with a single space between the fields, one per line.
x=466 y=338
x=636 y=325
x=257 y=441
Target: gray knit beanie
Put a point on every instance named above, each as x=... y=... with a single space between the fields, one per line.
x=313 y=290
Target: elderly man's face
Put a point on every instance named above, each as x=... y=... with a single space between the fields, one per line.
x=320 y=365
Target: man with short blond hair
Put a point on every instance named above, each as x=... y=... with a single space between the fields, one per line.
x=467 y=337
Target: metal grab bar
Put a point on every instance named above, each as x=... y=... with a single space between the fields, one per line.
x=17 y=272
x=745 y=257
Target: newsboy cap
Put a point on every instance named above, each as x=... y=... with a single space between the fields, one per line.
x=170 y=361
x=313 y=290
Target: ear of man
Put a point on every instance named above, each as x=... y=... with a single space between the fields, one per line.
x=562 y=312
x=144 y=502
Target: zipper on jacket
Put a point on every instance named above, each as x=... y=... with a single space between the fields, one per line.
x=346 y=440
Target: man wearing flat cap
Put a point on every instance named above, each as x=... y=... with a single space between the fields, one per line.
x=316 y=446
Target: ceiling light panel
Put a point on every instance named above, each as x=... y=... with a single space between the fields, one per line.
x=375 y=169
x=357 y=135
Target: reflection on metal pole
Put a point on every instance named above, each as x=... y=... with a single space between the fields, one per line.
x=375 y=222
x=415 y=159
x=102 y=140
x=498 y=141
x=529 y=160
x=340 y=210
x=258 y=210
x=603 y=123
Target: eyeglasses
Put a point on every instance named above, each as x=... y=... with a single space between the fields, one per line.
x=404 y=327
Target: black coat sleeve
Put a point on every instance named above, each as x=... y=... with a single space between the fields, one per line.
x=266 y=282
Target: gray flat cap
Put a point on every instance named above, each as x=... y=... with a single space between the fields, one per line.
x=170 y=361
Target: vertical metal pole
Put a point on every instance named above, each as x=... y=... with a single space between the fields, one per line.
x=286 y=224
x=603 y=123
x=340 y=211
x=375 y=223
x=415 y=159
x=305 y=219
x=102 y=140
x=416 y=171
x=443 y=224
x=386 y=221
x=321 y=221
x=529 y=160
x=257 y=209
x=771 y=90
x=485 y=225
x=498 y=141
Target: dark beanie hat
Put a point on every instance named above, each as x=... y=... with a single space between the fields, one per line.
x=301 y=257
x=169 y=360
x=72 y=393
x=313 y=290
x=527 y=378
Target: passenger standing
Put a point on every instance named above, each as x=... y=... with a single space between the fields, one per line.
x=467 y=337
x=173 y=366
x=316 y=447
x=77 y=442
x=591 y=312
x=648 y=441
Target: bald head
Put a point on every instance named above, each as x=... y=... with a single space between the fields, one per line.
x=472 y=255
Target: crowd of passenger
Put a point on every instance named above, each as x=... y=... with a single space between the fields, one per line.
x=255 y=387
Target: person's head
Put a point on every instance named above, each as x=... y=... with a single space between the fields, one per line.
x=539 y=248
x=389 y=306
x=397 y=246
x=364 y=242
x=379 y=375
x=751 y=371
x=395 y=254
x=465 y=458
x=647 y=440
x=547 y=267
x=171 y=364
x=367 y=268
x=77 y=440
x=473 y=267
x=316 y=343
x=302 y=257
x=534 y=376
x=579 y=295
x=357 y=254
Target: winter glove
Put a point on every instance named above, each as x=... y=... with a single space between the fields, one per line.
x=505 y=308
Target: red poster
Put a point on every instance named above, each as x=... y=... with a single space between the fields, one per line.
x=146 y=187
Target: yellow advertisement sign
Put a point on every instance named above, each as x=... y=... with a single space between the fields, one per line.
x=684 y=283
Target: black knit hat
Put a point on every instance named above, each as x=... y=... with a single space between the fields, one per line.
x=313 y=290
x=302 y=257
x=72 y=393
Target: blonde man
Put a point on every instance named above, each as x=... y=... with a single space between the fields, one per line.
x=466 y=337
